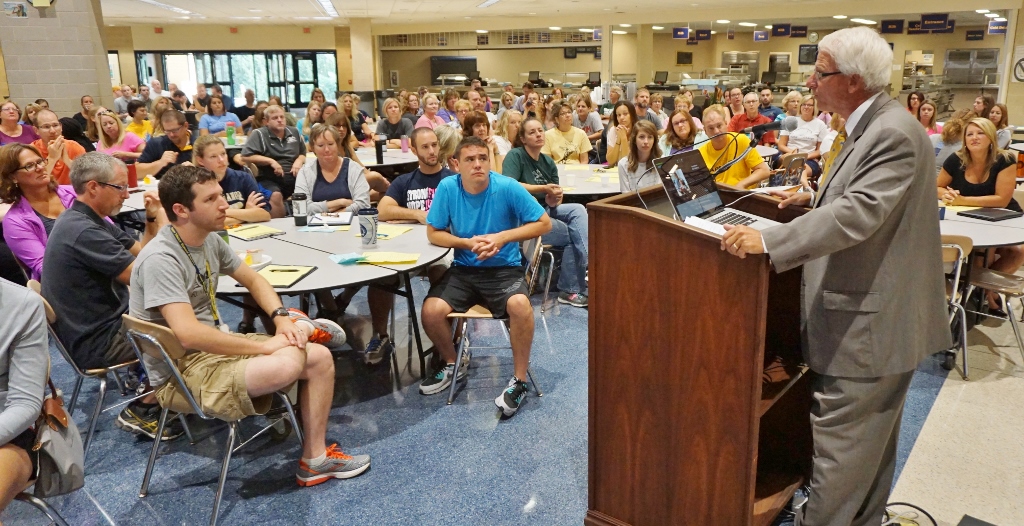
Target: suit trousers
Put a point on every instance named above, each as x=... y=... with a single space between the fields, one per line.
x=855 y=423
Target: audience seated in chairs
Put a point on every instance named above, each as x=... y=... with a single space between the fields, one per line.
x=950 y=140
x=121 y=103
x=82 y=117
x=246 y=112
x=520 y=102
x=1001 y=118
x=982 y=174
x=248 y=202
x=565 y=143
x=766 y=108
x=586 y=119
x=430 y=118
x=347 y=148
x=914 y=101
x=88 y=273
x=983 y=105
x=508 y=99
x=36 y=201
x=172 y=148
x=393 y=125
x=479 y=103
x=139 y=123
x=114 y=139
x=24 y=365
x=506 y=132
x=314 y=115
x=657 y=102
x=926 y=116
x=717 y=152
x=643 y=108
x=57 y=151
x=71 y=131
x=478 y=125
x=636 y=169
x=447 y=113
x=537 y=172
x=807 y=137
x=407 y=201
x=488 y=265
x=28 y=116
x=217 y=119
x=160 y=106
x=169 y=289
x=411 y=108
x=751 y=117
x=614 y=95
x=790 y=105
x=620 y=126
x=680 y=134
x=733 y=99
x=278 y=152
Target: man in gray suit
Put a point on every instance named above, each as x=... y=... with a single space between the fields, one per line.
x=873 y=300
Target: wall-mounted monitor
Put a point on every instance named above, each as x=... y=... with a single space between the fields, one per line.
x=684 y=58
x=808 y=54
x=569 y=52
x=451 y=65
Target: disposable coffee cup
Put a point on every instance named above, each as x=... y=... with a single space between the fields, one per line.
x=368 y=227
x=570 y=179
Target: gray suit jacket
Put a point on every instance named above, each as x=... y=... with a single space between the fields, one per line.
x=873 y=302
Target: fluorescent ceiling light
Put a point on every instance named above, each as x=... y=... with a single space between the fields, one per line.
x=488 y=3
x=586 y=30
x=722 y=21
x=657 y=28
x=769 y=26
x=992 y=15
x=554 y=28
x=1000 y=19
x=863 y=21
x=618 y=32
x=482 y=31
x=839 y=17
x=981 y=11
x=714 y=32
x=328 y=7
x=748 y=24
x=161 y=5
x=625 y=25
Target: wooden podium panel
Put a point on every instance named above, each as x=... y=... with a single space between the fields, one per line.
x=690 y=421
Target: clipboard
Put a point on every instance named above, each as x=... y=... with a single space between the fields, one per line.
x=285 y=276
x=335 y=219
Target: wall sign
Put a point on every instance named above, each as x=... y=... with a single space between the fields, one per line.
x=760 y=36
x=975 y=34
x=996 y=28
x=781 y=30
x=934 y=21
x=681 y=32
x=703 y=34
x=598 y=33
x=894 y=27
x=731 y=34
x=951 y=24
x=798 y=32
x=914 y=28
x=692 y=41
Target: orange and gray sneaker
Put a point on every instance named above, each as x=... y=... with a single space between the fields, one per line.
x=323 y=331
x=337 y=465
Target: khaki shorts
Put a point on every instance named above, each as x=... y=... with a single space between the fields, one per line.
x=217 y=383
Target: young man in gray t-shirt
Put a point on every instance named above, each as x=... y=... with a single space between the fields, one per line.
x=174 y=283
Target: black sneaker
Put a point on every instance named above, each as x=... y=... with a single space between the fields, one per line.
x=512 y=397
x=377 y=349
x=443 y=378
x=575 y=299
x=142 y=419
x=245 y=327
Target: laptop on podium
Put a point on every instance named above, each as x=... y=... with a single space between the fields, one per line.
x=694 y=195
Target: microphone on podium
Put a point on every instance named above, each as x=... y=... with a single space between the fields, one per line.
x=789 y=124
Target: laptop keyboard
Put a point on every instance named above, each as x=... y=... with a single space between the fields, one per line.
x=732 y=218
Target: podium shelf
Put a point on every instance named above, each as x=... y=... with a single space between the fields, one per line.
x=779 y=377
x=772 y=492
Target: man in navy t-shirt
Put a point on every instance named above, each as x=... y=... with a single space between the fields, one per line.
x=407 y=201
x=483 y=215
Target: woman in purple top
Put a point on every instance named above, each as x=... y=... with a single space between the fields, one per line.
x=10 y=129
x=36 y=202
x=447 y=113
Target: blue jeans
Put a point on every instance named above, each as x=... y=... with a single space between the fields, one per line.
x=569 y=229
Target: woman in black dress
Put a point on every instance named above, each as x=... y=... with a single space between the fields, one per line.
x=981 y=174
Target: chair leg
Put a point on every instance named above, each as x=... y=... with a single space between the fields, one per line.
x=547 y=282
x=962 y=313
x=458 y=360
x=536 y=386
x=120 y=383
x=74 y=395
x=291 y=416
x=97 y=409
x=42 y=506
x=1014 y=323
x=232 y=431
x=153 y=452
x=188 y=431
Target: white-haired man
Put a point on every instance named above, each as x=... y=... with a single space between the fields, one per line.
x=869 y=247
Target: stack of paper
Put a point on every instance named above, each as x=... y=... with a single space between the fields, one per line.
x=386 y=231
x=339 y=218
x=251 y=232
x=375 y=258
x=326 y=229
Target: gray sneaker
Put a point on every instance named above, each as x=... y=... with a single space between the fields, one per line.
x=377 y=349
x=443 y=378
x=323 y=331
x=575 y=299
x=337 y=465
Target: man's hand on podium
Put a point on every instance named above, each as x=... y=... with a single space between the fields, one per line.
x=792 y=198
x=741 y=240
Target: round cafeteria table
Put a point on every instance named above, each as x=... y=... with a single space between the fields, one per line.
x=393 y=158
x=583 y=185
x=984 y=234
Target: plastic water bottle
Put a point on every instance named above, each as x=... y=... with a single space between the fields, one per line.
x=230 y=130
x=405 y=144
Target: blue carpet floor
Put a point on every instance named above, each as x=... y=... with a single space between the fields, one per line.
x=432 y=463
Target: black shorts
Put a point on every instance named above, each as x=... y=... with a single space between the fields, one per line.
x=285 y=184
x=25 y=441
x=464 y=287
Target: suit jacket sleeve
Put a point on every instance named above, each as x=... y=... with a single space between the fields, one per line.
x=884 y=168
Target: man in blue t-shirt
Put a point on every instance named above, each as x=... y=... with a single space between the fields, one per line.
x=482 y=215
x=407 y=201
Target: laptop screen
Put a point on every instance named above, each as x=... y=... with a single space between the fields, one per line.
x=689 y=184
x=661 y=77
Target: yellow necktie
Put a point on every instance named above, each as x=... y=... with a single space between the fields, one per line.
x=837 y=145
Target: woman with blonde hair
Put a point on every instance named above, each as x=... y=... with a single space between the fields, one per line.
x=950 y=140
x=508 y=99
x=160 y=105
x=926 y=116
x=448 y=139
x=393 y=125
x=506 y=131
x=314 y=110
x=635 y=169
x=357 y=122
x=430 y=118
x=790 y=105
x=29 y=115
x=347 y=148
x=462 y=108
x=114 y=139
x=982 y=174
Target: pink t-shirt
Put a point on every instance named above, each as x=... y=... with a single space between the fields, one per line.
x=130 y=143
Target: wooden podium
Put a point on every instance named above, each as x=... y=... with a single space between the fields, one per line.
x=698 y=400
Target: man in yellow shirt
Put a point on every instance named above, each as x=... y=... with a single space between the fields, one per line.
x=565 y=143
x=719 y=151
x=139 y=125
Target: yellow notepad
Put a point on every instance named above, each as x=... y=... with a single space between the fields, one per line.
x=597 y=179
x=284 y=276
x=386 y=231
x=251 y=232
x=393 y=258
x=580 y=167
